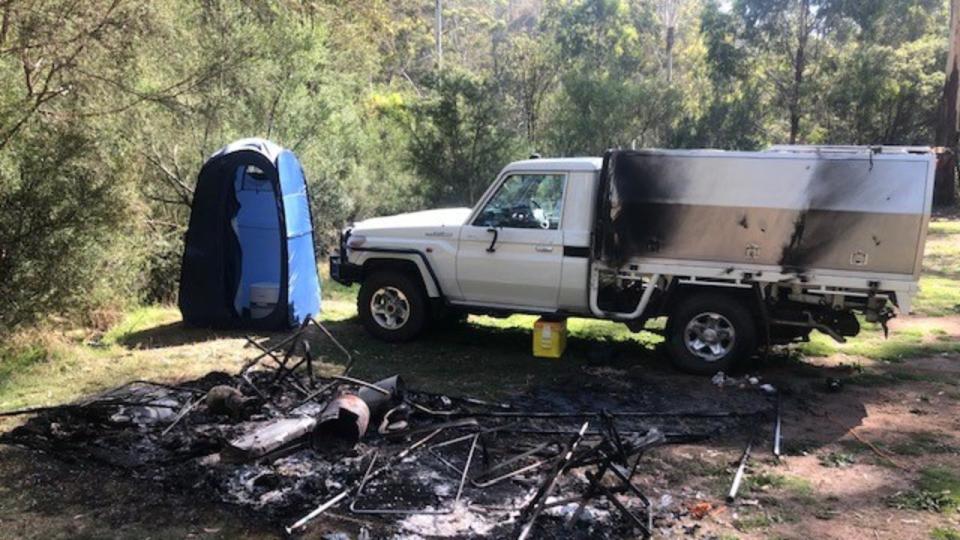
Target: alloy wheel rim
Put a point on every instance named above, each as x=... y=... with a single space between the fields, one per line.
x=390 y=308
x=710 y=336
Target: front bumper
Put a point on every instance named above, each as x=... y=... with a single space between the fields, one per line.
x=346 y=273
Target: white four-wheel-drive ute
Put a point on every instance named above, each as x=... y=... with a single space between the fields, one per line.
x=738 y=250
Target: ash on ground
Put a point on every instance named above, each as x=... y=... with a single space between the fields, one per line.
x=407 y=464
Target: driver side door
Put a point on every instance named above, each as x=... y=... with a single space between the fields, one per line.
x=511 y=253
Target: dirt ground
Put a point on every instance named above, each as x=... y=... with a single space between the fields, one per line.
x=871 y=459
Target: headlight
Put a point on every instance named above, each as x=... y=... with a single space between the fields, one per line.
x=356 y=240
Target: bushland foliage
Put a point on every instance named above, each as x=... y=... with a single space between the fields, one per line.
x=109 y=107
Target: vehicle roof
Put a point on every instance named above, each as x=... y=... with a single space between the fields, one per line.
x=579 y=164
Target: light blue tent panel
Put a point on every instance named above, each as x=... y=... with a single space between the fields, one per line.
x=303 y=286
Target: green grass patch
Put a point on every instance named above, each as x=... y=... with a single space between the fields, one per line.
x=15 y=360
x=900 y=345
x=943 y=227
x=767 y=481
x=139 y=320
x=940 y=282
x=332 y=290
x=800 y=446
x=754 y=521
x=941 y=533
x=871 y=378
x=922 y=443
x=938 y=296
x=40 y=367
x=937 y=490
x=838 y=460
x=582 y=329
x=55 y=367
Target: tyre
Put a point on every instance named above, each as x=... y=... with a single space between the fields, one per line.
x=393 y=306
x=710 y=332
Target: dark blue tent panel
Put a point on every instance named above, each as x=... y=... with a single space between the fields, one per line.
x=249 y=259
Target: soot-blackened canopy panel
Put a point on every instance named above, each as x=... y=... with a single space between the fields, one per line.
x=793 y=211
x=249 y=257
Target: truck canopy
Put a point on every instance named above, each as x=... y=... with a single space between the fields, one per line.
x=796 y=209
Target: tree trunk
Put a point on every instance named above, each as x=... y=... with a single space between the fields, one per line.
x=799 y=65
x=668 y=15
x=945 y=190
x=670 y=39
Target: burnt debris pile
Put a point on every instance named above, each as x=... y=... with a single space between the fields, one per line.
x=293 y=446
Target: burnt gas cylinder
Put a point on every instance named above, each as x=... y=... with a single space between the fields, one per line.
x=344 y=419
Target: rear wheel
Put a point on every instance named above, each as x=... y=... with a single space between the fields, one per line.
x=710 y=332
x=392 y=306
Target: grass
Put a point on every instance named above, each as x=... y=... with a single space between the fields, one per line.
x=16 y=360
x=894 y=377
x=138 y=321
x=936 y=490
x=941 y=533
x=943 y=227
x=336 y=291
x=900 y=345
x=922 y=443
x=766 y=481
x=940 y=283
x=838 y=460
x=754 y=520
x=49 y=367
x=581 y=329
x=938 y=296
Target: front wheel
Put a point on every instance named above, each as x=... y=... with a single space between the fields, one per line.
x=710 y=332
x=392 y=306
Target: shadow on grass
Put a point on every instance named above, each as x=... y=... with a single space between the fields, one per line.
x=178 y=333
x=483 y=359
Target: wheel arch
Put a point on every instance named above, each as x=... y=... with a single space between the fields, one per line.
x=679 y=292
x=412 y=264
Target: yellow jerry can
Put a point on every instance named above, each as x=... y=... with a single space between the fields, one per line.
x=549 y=338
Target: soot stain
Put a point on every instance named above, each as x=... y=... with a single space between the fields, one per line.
x=816 y=228
x=642 y=215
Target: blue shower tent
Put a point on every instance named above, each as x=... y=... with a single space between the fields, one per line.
x=248 y=259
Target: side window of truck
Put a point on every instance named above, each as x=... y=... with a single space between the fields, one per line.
x=525 y=201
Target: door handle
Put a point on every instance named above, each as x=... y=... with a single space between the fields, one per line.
x=543 y=248
x=493 y=243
